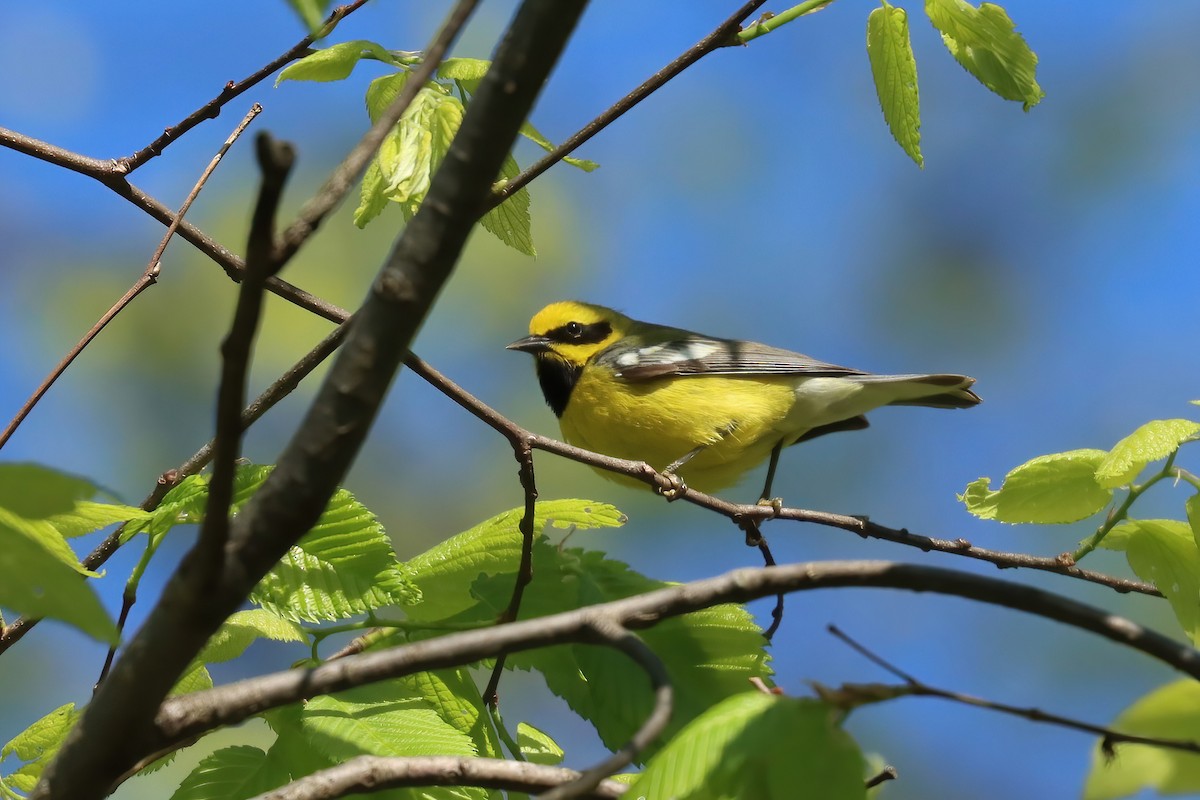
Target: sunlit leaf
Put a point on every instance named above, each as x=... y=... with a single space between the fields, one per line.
x=1153 y=441
x=757 y=745
x=889 y=49
x=334 y=63
x=985 y=42
x=1164 y=552
x=1060 y=487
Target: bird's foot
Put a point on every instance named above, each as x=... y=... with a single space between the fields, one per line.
x=774 y=503
x=675 y=490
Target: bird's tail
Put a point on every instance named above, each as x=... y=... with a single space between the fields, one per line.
x=932 y=391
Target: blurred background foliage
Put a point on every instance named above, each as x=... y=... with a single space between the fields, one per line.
x=1052 y=255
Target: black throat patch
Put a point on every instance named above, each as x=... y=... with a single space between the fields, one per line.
x=557 y=378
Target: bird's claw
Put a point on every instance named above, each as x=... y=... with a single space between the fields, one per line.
x=676 y=490
x=775 y=503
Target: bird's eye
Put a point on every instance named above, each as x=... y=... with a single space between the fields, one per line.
x=574 y=330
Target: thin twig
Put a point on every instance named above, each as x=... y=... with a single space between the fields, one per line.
x=740 y=513
x=147 y=279
x=723 y=36
x=524 y=572
x=654 y=724
x=275 y=159
x=212 y=108
x=857 y=694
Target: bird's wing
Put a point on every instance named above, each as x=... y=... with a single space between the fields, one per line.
x=693 y=354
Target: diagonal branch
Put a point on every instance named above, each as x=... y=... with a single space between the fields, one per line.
x=723 y=36
x=147 y=279
x=116 y=729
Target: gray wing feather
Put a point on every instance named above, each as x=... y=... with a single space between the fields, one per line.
x=692 y=354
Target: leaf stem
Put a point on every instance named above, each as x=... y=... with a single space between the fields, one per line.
x=768 y=23
x=1121 y=512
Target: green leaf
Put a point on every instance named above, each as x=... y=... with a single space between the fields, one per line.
x=231 y=773
x=1060 y=487
x=710 y=654
x=311 y=12
x=510 y=221
x=1192 y=506
x=1163 y=552
x=757 y=745
x=1153 y=441
x=37 y=582
x=889 y=49
x=37 y=745
x=445 y=572
x=194 y=679
x=242 y=628
x=183 y=505
x=334 y=63
x=985 y=42
x=537 y=746
x=463 y=69
x=412 y=152
x=382 y=91
x=1169 y=712
x=391 y=718
x=342 y=567
x=373 y=197
x=534 y=135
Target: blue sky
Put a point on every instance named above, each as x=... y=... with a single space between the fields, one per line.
x=1050 y=254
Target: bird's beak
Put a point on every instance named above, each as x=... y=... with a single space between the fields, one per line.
x=530 y=344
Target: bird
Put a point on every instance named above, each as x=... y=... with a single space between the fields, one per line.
x=701 y=409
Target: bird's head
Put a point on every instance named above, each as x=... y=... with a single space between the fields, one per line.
x=572 y=332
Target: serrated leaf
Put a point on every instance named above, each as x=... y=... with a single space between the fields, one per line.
x=1153 y=441
x=342 y=567
x=534 y=135
x=537 y=746
x=409 y=155
x=985 y=42
x=1169 y=712
x=710 y=654
x=382 y=91
x=387 y=719
x=334 y=63
x=889 y=49
x=757 y=745
x=242 y=628
x=373 y=197
x=37 y=745
x=1055 y=488
x=231 y=773
x=1163 y=552
x=182 y=505
x=463 y=69
x=445 y=572
x=510 y=221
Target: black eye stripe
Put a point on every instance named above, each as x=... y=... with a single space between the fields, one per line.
x=579 y=333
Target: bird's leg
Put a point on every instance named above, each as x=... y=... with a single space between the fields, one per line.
x=765 y=498
x=678 y=487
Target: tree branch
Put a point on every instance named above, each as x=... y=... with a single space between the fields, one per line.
x=187 y=716
x=374 y=773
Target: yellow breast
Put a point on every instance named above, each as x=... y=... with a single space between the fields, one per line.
x=658 y=421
